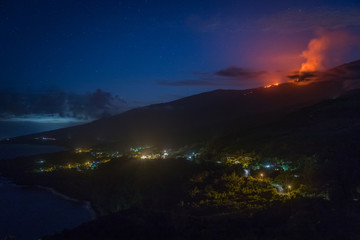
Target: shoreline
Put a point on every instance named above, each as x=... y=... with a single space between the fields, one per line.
x=86 y=204
x=94 y=214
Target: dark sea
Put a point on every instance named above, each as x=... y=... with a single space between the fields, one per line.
x=29 y=213
x=19 y=128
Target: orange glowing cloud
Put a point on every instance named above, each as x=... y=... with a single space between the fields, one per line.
x=325 y=50
x=315 y=54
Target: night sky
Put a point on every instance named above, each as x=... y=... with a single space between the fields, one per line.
x=140 y=52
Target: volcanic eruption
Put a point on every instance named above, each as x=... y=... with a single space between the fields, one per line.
x=325 y=50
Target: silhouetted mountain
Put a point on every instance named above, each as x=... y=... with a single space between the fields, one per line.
x=330 y=127
x=348 y=73
x=208 y=114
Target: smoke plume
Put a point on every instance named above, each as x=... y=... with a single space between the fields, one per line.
x=326 y=50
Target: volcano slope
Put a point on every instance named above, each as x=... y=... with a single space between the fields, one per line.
x=194 y=118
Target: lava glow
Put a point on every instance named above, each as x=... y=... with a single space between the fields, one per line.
x=271 y=85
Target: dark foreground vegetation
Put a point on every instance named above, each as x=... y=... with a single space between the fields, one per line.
x=299 y=219
x=179 y=199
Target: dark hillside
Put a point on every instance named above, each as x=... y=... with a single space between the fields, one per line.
x=196 y=117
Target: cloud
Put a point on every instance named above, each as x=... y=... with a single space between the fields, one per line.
x=297 y=76
x=86 y=106
x=299 y=20
x=239 y=73
x=95 y=105
x=228 y=77
x=189 y=83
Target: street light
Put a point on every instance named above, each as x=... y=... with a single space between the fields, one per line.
x=289 y=187
x=262 y=176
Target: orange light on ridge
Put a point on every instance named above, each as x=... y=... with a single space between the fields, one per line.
x=271 y=85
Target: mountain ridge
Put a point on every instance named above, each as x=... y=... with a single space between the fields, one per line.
x=204 y=115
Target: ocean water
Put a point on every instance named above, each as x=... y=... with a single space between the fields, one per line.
x=10 y=129
x=29 y=213
x=8 y=151
x=18 y=128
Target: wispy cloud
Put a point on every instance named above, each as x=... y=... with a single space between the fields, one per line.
x=228 y=77
x=239 y=73
x=190 y=83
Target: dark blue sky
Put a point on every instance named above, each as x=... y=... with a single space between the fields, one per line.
x=149 y=51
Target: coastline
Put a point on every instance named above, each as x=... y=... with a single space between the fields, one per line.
x=86 y=204
x=8 y=179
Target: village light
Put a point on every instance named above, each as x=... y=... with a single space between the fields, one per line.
x=165 y=154
x=247 y=172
